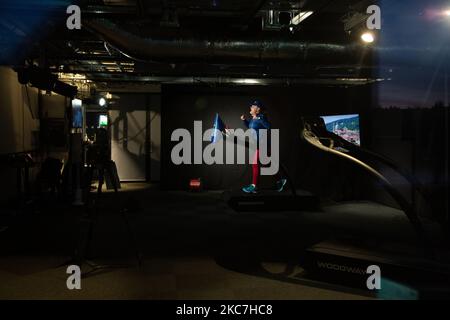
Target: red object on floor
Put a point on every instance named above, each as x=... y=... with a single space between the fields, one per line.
x=195 y=184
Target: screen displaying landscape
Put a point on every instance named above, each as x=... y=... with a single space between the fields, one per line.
x=346 y=126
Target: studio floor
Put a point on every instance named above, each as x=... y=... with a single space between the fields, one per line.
x=192 y=246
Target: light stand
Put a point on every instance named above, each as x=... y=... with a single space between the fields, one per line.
x=87 y=221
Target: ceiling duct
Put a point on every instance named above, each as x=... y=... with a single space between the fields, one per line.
x=203 y=49
x=346 y=82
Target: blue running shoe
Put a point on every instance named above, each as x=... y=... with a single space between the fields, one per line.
x=249 y=189
x=280 y=185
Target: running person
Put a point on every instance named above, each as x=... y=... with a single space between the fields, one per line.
x=258 y=121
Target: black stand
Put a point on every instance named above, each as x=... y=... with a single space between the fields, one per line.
x=83 y=249
x=106 y=170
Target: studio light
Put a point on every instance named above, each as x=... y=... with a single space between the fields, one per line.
x=102 y=102
x=43 y=79
x=367 y=37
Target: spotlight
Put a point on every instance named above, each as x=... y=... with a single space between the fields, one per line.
x=102 y=102
x=447 y=13
x=43 y=79
x=367 y=37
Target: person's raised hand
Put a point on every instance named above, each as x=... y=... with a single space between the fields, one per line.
x=242 y=117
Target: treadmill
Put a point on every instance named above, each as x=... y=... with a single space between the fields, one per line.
x=331 y=259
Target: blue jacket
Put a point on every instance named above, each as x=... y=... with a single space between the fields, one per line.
x=260 y=122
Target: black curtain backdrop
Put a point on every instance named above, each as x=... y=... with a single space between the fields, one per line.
x=182 y=105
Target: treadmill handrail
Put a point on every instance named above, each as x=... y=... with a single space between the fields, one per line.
x=314 y=140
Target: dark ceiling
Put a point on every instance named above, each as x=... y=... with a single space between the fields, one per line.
x=35 y=30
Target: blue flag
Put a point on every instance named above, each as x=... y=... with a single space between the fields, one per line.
x=219 y=127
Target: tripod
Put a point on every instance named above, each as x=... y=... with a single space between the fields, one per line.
x=87 y=223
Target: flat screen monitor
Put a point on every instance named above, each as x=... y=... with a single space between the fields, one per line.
x=103 y=120
x=346 y=126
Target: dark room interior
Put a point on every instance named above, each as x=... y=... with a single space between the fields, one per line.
x=135 y=135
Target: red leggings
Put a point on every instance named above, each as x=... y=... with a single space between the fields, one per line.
x=255 y=167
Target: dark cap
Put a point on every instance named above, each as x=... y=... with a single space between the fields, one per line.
x=257 y=103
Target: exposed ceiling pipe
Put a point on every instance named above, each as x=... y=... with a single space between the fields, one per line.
x=92 y=10
x=107 y=77
x=192 y=49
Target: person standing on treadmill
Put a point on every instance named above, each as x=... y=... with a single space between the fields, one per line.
x=257 y=122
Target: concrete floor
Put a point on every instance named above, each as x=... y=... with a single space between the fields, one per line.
x=159 y=278
x=193 y=247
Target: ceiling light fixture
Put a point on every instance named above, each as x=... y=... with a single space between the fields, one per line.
x=101 y=102
x=367 y=37
x=300 y=17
